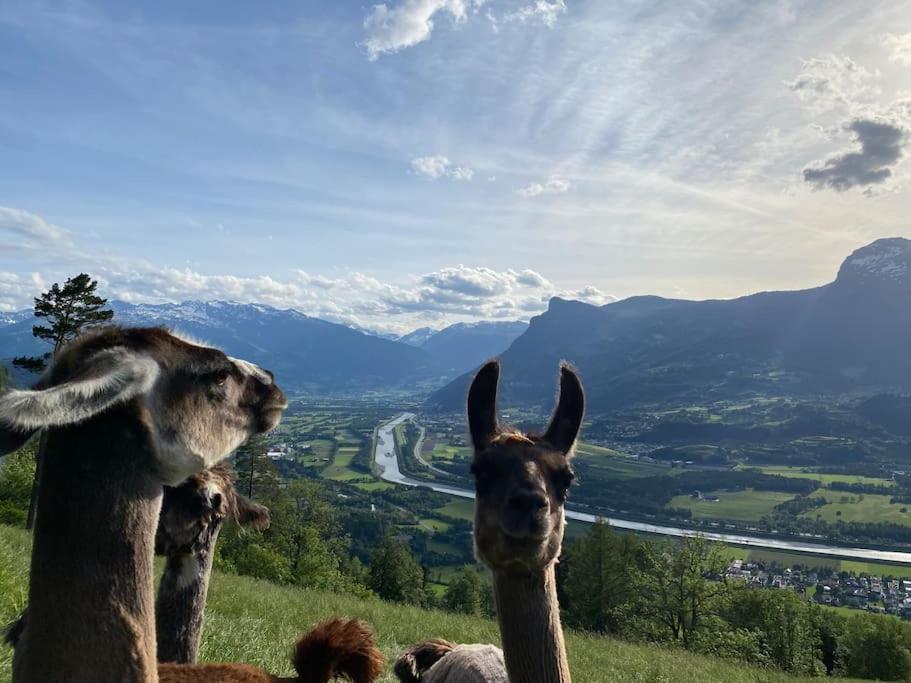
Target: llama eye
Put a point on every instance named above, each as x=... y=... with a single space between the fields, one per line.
x=221 y=376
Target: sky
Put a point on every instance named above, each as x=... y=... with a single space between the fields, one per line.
x=422 y=162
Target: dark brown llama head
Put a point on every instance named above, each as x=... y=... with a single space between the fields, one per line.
x=521 y=480
x=199 y=506
x=196 y=403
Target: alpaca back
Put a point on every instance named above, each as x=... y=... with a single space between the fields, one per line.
x=469 y=664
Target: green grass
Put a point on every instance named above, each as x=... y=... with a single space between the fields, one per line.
x=340 y=469
x=747 y=505
x=861 y=508
x=460 y=508
x=256 y=622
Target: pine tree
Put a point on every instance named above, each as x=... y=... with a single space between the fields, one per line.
x=67 y=310
x=464 y=593
x=256 y=475
x=394 y=575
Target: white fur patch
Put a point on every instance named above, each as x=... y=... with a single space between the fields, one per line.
x=189 y=572
x=252 y=370
x=112 y=377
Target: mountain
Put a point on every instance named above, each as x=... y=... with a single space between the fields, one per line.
x=462 y=346
x=306 y=354
x=850 y=336
x=417 y=337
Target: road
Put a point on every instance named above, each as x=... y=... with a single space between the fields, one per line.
x=388 y=467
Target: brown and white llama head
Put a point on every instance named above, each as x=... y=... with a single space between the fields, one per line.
x=197 y=403
x=522 y=480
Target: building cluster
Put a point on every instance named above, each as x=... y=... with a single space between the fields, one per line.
x=880 y=594
x=284 y=451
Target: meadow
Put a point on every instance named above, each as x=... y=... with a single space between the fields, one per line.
x=256 y=622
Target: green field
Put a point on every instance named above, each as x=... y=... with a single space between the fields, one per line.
x=825 y=479
x=611 y=463
x=256 y=622
x=861 y=508
x=747 y=505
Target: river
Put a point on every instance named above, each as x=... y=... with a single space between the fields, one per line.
x=388 y=466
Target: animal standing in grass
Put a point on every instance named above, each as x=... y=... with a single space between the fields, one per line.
x=126 y=412
x=521 y=482
x=191 y=518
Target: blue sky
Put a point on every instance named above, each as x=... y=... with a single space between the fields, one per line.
x=426 y=161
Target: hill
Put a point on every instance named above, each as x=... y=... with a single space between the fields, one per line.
x=304 y=353
x=256 y=622
x=463 y=346
x=848 y=337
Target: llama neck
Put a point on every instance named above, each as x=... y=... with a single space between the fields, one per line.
x=529 y=618
x=181 y=603
x=91 y=614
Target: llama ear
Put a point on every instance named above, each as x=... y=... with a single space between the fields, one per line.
x=482 y=405
x=567 y=419
x=107 y=379
x=249 y=514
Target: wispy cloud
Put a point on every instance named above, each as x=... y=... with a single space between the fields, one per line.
x=553 y=185
x=833 y=81
x=440 y=166
x=545 y=11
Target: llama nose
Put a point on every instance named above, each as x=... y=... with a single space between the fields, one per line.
x=528 y=502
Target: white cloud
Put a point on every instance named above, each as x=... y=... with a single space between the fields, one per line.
x=901 y=48
x=545 y=11
x=390 y=30
x=553 y=185
x=833 y=82
x=440 y=167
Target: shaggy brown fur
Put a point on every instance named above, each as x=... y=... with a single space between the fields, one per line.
x=337 y=648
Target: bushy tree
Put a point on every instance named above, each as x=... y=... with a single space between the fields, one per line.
x=678 y=587
x=877 y=647
x=465 y=593
x=394 y=575
x=597 y=572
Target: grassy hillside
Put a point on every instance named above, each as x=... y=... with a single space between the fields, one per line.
x=256 y=622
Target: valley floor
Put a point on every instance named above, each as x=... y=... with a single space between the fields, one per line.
x=256 y=622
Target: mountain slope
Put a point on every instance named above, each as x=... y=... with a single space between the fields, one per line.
x=304 y=353
x=853 y=335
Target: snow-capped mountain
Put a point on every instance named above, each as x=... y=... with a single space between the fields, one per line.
x=417 y=337
x=306 y=354
x=885 y=261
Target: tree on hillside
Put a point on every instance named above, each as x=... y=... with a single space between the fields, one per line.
x=599 y=568
x=394 y=575
x=465 y=593
x=256 y=475
x=677 y=588
x=66 y=312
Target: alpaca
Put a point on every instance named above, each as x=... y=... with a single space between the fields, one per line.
x=127 y=410
x=521 y=484
x=191 y=519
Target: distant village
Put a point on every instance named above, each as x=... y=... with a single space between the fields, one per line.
x=878 y=594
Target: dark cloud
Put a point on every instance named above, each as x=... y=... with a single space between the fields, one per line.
x=881 y=146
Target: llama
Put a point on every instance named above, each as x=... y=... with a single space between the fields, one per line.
x=127 y=410
x=521 y=483
x=191 y=518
